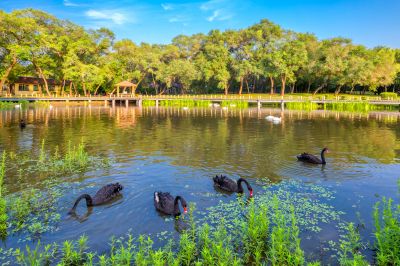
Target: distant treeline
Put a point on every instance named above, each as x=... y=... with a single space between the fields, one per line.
x=261 y=58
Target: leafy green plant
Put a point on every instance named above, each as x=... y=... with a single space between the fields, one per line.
x=285 y=242
x=387 y=232
x=350 y=248
x=235 y=104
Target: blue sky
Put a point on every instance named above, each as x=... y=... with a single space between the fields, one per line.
x=368 y=22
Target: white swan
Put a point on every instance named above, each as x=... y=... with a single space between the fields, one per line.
x=270 y=118
x=185 y=108
x=224 y=108
x=277 y=119
x=17 y=106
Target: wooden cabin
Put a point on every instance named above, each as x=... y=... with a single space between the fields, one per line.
x=25 y=86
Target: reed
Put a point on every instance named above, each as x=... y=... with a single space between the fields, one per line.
x=350 y=248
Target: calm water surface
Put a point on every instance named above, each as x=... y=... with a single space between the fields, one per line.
x=180 y=150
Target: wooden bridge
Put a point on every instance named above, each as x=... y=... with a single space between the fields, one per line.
x=218 y=98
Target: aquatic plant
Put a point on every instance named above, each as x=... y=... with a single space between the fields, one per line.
x=35 y=211
x=235 y=104
x=387 y=232
x=3 y=212
x=148 y=103
x=350 y=248
x=285 y=242
x=185 y=103
x=308 y=106
x=388 y=95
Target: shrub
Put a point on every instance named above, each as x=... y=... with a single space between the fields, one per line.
x=388 y=95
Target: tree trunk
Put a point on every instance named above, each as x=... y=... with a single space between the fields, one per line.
x=272 y=85
x=97 y=88
x=7 y=73
x=84 y=88
x=247 y=86
x=41 y=75
x=319 y=88
x=70 y=88
x=352 y=88
x=283 y=79
x=62 y=88
x=309 y=86
x=292 y=88
x=241 y=86
x=337 y=91
x=254 y=84
x=226 y=89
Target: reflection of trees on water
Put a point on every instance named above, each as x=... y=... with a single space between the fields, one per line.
x=233 y=140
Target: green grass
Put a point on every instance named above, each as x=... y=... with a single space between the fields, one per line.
x=11 y=105
x=148 y=103
x=235 y=104
x=301 y=106
x=388 y=95
x=185 y=103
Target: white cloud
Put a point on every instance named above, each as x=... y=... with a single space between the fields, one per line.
x=115 y=16
x=69 y=3
x=212 y=4
x=167 y=6
x=219 y=15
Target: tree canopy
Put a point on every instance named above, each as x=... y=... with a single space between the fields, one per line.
x=261 y=58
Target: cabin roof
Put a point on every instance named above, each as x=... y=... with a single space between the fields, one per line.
x=125 y=83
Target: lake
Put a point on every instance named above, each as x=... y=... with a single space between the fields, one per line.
x=176 y=150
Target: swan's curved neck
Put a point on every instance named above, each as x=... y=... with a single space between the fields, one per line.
x=240 y=187
x=323 y=156
x=176 y=205
x=87 y=197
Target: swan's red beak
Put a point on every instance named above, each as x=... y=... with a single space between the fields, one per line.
x=251 y=193
x=184 y=209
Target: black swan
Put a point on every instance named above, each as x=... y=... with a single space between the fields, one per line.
x=22 y=123
x=166 y=203
x=309 y=158
x=104 y=195
x=230 y=185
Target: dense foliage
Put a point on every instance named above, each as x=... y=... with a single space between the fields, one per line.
x=261 y=58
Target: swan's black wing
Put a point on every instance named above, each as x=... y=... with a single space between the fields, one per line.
x=163 y=201
x=225 y=183
x=106 y=193
x=306 y=157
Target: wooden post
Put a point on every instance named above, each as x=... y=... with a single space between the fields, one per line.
x=105 y=103
x=258 y=104
x=117 y=91
x=113 y=103
x=139 y=102
x=126 y=103
x=157 y=103
x=282 y=105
